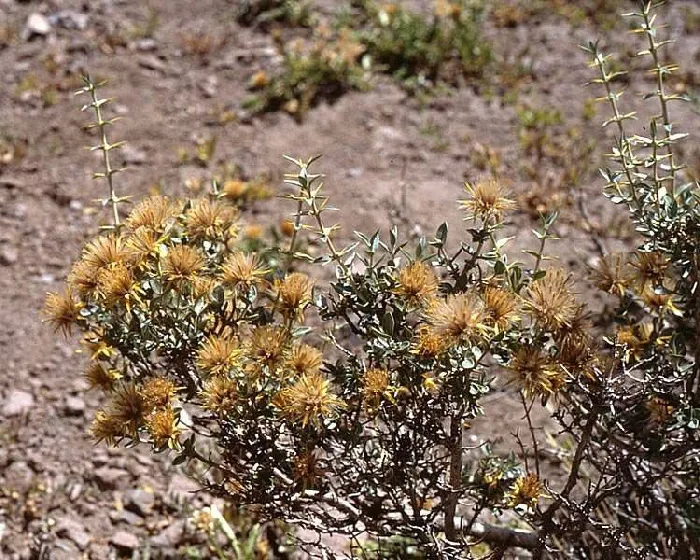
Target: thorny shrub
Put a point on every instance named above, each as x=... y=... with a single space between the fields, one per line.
x=361 y=432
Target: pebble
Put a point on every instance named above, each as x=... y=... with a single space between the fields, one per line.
x=64 y=550
x=8 y=256
x=37 y=24
x=182 y=489
x=107 y=478
x=151 y=62
x=170 y=537
x=74 y=531
x=139 y=501
x=17 y=403
x=133 y=156
x=124 y=540
x=75 y=406
x=69 y=20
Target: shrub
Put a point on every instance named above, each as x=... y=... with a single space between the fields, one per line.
x=362 y=432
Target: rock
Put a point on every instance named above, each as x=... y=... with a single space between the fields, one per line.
x=107 y=478
x=128 y=517
x=182 y=489
x=73 y=530
x=133 y=156
x=170 y=537
x=124 y=541
x=18 y=477
x=64 y=550
x=37 y=25
x=17 y=403
x=8 y=256
x=139 y=501
x=75 y=406
x=151 y=62
x=146 y=45
x=69 y=20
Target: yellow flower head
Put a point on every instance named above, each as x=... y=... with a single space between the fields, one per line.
x=103 y=252
x=163 y=427
x=158 y=392
x=242 y=270
x=304 y=359
x=308 y=402
x=613 y=274
x=211 y=220
x=307 y=470
x=116 y=284
x=234 y=190
x=375 y=385
x=97 y=376
x=268 y=346
x=501 y=308
x=128 y=408
x=551 y=302
x=526 y=490
x=533 y=372
x=287 y=228
x=294 y=294
x=457 y=318
x=154 y=214
x=62 y=310
x=429 y=344
x=417 y=283
x=651 y=268
x=487 y=199
x=141 y=246
x=220 y=395
x=106 y=427
x=259 y=80
x=182 y=263
x=219 y=354
x=254 y=231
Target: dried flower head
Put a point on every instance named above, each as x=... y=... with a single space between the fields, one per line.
x=375 y=385
x=457 y=318
x=158 y=392
x=220 y=395
x=182 y=263
x=487 y=199
x=309 y=401
x=526 y=490
x=254 y=231
x=501 y=308
x=577 y=356
x=287 y=228
x=636 y=338
x=294 y=294
x=99 y=254
x=242 y=270
x=154 y=214
x=417 y=283
x=551 y=301
x=307 y=470
x=106 y=427
x=128 y=408
x=660 y=300
x=259 y=80
x=613 y=274
x=268 y=346
x=660 y=411
x=62 y=310
x=304 y=359
x=98 y=376
x=163 y=427
x=234 y=190
x=219 y=354
x=532 y=371
x=141 y=246
x=116 y=284
x=651 y=268
x=211 y=220
x=430 y=344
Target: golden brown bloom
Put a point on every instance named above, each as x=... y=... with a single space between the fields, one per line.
x=259 y=80
x=527 y=491
x=220 y=395
x=210 y=220
x=268 y=346
x=101 y=253
x=287 y=228
x=62 y=310
x=431 y=383
x=660 y=300
x=116 y=284
x=534 y=373
x=254 y=231
x=551 y=302
x=182 y=263
x=98 y=376
x=241 y=269
x=141 y=246
x=219 y=354
x=309 y=401
x=128 y=408
x=307 y=470
x=105 y=427
x=153 y=213
x=487 y=199
x=636 y=338
x=651 y=267
x=163 y=427
x=294 y=294
x=375 y=385
x=158 y=392
x=501 y=307
x=234 y=190
x=577 y=356
x=613 y=274
x=458 y=318
x=417 y=283
x=430 y=344
x=304 y=359
x=96 y=345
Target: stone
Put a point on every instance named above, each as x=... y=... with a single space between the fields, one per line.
x=139 y=501
x=8 y=256
x=17 y=403
x=124 y=541
x=124 y=516
x=133 y=156
x=64 y=550
x=37 y=25
x=107 y=478
x=75 y=406
x=151 y=62
x=170 y=537
x=182 y=489
x=69 y=19
x=74 y=531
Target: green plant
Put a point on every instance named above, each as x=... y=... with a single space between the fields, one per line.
x=362 y=431
x=263 y=13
